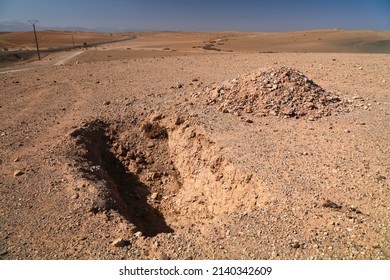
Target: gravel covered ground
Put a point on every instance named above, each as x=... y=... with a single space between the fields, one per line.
x=127 y=158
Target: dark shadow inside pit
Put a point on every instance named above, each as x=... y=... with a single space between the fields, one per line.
x=126 y=192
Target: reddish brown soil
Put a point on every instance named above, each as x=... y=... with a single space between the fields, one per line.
x=127 y=158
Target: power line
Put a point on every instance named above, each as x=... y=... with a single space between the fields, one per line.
x=33 y=22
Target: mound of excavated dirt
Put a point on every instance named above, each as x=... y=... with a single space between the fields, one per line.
x=280 y=92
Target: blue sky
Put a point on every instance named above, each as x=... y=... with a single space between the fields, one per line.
x=201 y=15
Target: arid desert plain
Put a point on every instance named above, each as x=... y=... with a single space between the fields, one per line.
x=172 y=145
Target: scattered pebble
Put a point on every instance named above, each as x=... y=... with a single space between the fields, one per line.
x=154 y=196
x=18 y=173
x=330 y=204
x=150 y=144
x=164 y=257
x=119 y=242
x=295 y=244
x=3 y=252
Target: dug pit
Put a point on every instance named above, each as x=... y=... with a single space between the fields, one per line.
x=161 y=174
x=133 y=169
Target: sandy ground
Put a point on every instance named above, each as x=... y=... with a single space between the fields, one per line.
x=117 y=154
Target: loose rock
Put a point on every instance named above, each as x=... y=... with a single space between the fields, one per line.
x=119 y=242
x=18 y=173
x=331 y=204
x=295 y=244
x=154 y=196
x=280 y=92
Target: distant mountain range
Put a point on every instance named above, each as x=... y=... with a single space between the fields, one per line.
x=10 y=26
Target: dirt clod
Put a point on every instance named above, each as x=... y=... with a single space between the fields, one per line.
x=154 y=130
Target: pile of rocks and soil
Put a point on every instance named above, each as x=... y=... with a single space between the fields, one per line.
x=283 y=92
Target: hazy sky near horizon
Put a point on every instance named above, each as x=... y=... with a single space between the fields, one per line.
x=202 y=15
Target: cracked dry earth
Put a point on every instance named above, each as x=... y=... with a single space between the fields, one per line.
x=146 y=159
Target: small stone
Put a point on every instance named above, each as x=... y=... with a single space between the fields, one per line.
x=381 y=178
x=3 y=252
x=249 y=121
x=16 y=160
x=154 y=196
x=376 y=246
x=138 y=234
x=140 y=159
x=18 y=173
x=157 y=117
x=295 y=244
x=360 y=123
x=179 y=121
x=330 y=204
x=119 y=242
x=164 y=257
x=288 y=111
x=195 y=79
x=150 y=144
x=75 y=196
x=106 y=103
x=360 y=68
x=347 y=131
x=249 y=110
x=180 y=85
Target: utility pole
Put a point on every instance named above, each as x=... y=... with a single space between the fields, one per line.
x=73 y=42
x=33 y=22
